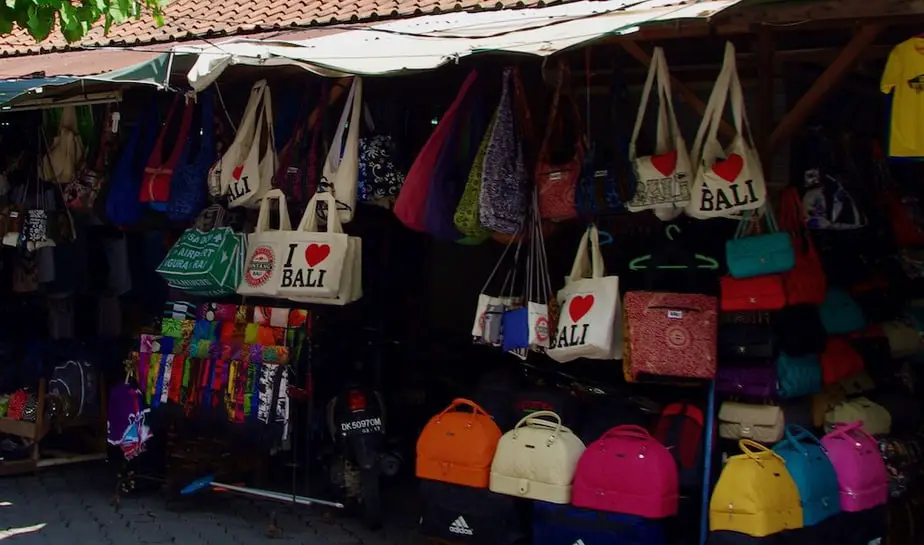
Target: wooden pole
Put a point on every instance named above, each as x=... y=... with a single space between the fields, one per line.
x=823 y=85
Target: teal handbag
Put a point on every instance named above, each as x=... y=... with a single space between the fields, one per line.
x=808 y=463
x=749 y=256
x=840 y=314
x=798 y=376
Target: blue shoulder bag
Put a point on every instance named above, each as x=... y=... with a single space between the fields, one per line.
x=840 y=314
x=750 y=256
x=808 y=463
x=187 y=190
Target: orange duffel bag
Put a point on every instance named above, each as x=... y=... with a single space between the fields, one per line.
x=458 y=447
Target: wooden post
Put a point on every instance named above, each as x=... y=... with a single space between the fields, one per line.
x=823 y=85
x=677 y=86
x=766 y=77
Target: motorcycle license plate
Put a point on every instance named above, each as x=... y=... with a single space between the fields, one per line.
x=361 y=426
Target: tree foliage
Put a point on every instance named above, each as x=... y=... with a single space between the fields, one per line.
x=74 y=17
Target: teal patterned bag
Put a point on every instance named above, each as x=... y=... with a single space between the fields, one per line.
x=798 y=376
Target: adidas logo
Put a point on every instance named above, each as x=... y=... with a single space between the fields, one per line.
x=579 y=542
x=461 y=527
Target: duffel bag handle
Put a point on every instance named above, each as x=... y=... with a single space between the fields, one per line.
x=845 y=429
x=795 y=433
x=627 y=430
x=538 y=420
x=462 y=402
x=747 y=444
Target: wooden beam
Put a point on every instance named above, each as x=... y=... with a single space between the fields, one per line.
x=677 y=86
x=828 y=79
x=764 y=47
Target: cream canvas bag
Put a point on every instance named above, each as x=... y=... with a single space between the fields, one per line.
x=59 y=165
x=762 y=423
x=247 y=169
x=265 y=249
x=312 y=261
x=340 y=175
x=730 y=181
x=537 y=459
x=663 y=179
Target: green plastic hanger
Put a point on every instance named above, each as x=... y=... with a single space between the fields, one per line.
x=706 y=263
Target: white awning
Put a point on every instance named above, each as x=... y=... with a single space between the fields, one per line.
x=427 y=42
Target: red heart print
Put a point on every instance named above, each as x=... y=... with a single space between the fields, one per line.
x=236 y=174
x=730 y=168
x=665 y=163
x=316 y=253
x=580 y=306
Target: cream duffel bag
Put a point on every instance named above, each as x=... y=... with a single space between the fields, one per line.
x=537 y=459
x=876 y=419
x=762 y=423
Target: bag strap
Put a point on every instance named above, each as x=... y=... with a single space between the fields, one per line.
x=540 y=419
x=462 y=402
x=628 y=431
x=747 y=444
x=263 y=219
x=795 y=434
x=656 y=71
x=715 y=108
x=309 y=222
x=555 y=120
x=591 y=238
x=845 y=429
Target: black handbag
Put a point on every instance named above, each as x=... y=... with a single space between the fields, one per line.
x=800 y=330
x=461 y=514
x=740 y=341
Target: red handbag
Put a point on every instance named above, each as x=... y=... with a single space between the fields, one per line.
x=669 y=334
x=158 y=173
x=806 y=282
x=556 y=183
x=411 y=204
x=757 y=293
x=840 y=360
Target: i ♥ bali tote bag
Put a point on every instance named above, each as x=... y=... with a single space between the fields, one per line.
x=663 y=179
x=730 y=181
x=247 y=167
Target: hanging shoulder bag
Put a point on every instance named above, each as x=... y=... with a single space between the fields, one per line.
x=341 y=169
x=557 y=182
x=158 y=174
x=248 y=165
x=806 y=281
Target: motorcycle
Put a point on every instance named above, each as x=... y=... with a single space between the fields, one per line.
x=362 y=454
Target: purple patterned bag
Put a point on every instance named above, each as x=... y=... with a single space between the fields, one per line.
x=750 y=381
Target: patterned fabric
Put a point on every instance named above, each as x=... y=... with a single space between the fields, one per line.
x=467 y=218
x=380 y=180
x=504 y=187
x=903 y=459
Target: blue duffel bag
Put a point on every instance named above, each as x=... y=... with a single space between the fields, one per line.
x=566 y=525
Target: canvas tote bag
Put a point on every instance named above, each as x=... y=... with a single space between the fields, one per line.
x=265 y=249
x=340 y=174
x=590 y=309
x=246 y=168
x=312 y=260
x=663 y=180
x=731 y=181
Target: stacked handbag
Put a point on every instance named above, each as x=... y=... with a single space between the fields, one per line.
x=455 y=452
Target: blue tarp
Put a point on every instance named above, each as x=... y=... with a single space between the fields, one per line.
x=12 y=88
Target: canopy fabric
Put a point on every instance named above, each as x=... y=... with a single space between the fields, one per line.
x=12 y=88
x=73 y=63
x=428 y=42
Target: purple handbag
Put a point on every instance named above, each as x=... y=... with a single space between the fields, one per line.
x=750 y=381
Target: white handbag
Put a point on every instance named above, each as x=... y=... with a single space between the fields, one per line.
x=265 y=249
x=663 y=179
x=351 y=276
x=731 y=181
x=762 y=423
x=247 y=167
x=876 y=418
x=537 y=459
x=312 y=261
x=590 y=323
x=340 y=175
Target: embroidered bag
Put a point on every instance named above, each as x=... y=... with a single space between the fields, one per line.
x=798 y=375
x=557 y=182
x=341 y=169
x=807 y=462
x=410 y=207
x=726 y=182
x=467 y=218
x=627 y=471
x=505 y=196
x=670 y=334
x=861 y=472
x=755 y=494
x=664 y=178
x=81 y=193
x=158 y=173
x=248 y=165
x=380 y=179
x=187 y=190
x=806 y=282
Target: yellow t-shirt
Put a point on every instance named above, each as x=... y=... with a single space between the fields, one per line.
x=904 y=75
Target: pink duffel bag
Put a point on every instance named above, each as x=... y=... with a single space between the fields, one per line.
x=627 y=471
x=861 y=473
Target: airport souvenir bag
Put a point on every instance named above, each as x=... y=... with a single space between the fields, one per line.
x=730 y=181
x=664 y=178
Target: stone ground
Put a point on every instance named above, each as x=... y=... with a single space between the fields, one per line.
x=71 y=506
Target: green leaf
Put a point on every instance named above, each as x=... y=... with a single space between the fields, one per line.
x=40 y=22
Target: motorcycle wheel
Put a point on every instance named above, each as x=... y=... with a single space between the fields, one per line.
x=372 y=500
